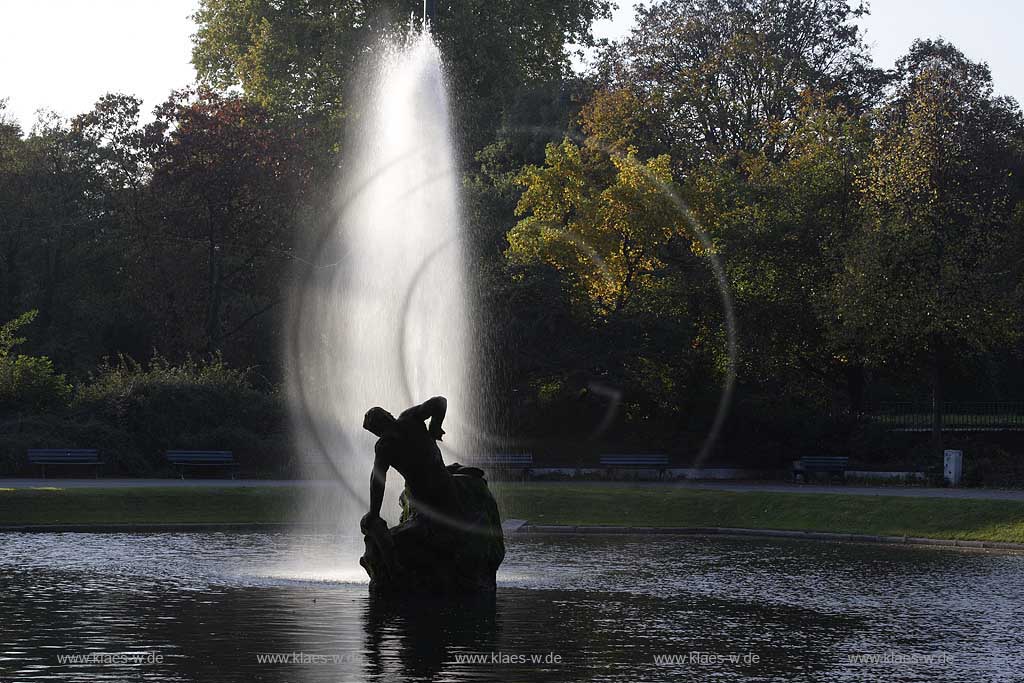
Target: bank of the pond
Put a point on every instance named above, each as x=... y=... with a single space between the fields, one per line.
x=558 y=529
x=667 y=506
x=543 y=504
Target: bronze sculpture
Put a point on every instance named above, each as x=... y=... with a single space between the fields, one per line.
x=449 y=539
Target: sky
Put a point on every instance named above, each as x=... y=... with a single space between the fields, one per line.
x=64 y=54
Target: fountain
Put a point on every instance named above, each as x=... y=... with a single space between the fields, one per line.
x=384 y=313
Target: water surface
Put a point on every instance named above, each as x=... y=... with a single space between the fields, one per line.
x=216 y=607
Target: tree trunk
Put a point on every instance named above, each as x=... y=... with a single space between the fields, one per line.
x=855 y=388
x=50 y=285
x=214 y=332
x=937 y=399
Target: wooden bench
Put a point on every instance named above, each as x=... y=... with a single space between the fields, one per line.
x=183 y=459
x=831 y=465
x=642 y=461
x=519 y=462
x=64 y=456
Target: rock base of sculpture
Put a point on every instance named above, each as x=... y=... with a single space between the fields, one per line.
x=427 y=555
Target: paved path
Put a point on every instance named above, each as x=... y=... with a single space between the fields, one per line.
x=145 y=483
x=911 y=491
x=839 y=489
x=739 y=487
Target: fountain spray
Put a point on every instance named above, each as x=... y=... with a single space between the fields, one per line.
x=384 y=315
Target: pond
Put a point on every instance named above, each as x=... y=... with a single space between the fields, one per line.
x=281 y=607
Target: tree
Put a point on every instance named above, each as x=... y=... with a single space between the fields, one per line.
x=229 y=185
x=288 y=57
x=58 y=236
x=934 y=272
x=75 y=196
x=600 y=220
x=607 y=227
x=299 y=57
x=720 y=77
x=779 y=227
x=614 y=119
x=12 y=192
x=120 y=151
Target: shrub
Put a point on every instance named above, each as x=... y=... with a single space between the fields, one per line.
x=987 y=464
x=197 y=404
x=874 y=445
x=19 y=434
x=27 y=383
x=116 y=446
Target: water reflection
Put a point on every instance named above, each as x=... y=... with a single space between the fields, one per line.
x=284 y=609
x=426 y=634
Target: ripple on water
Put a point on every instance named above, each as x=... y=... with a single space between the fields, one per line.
x=209 y=604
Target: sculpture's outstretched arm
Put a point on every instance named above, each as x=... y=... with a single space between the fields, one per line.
x=433 y=409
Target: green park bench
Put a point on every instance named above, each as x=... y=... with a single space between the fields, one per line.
x=520 y=463
x=639 y=461
x=218 y=459
x=64 y=456
x=830 y=465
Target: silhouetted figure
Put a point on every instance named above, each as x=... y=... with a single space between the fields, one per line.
x=409 y=446
x=450 y=535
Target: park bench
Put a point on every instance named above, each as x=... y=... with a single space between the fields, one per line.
x=183 y=459
x=64 y=456
x=644 y=461
x=830 y=465
x=505 y=462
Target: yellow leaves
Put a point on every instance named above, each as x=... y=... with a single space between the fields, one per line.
x=599 y=219
x=552 y=189
x=611 y=119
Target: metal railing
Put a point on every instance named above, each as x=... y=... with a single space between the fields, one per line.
x=956 y=416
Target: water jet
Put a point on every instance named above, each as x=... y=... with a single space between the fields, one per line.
x=385 y=314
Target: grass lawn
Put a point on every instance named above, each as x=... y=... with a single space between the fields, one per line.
x=144 y=505
x=965 y=519
x=550 y=503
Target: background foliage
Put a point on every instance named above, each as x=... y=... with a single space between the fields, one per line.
x=868 y=225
